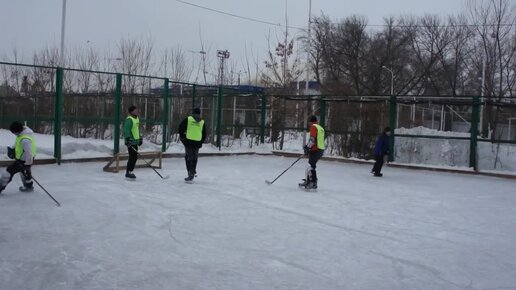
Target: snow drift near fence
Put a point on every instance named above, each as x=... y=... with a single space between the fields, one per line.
x=422 y=151
x=454 y=153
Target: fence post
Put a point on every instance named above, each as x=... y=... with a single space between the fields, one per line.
x=474 y=133
x=58 y=114
x=164 y=138
x=262 y=130
x=219 y=117
x=322 y=112
x=392 y=123
x=194 y=91
x=118 y=107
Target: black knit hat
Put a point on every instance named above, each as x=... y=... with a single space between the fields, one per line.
x=131 y=109
x=16 y=127
x=312 y=118
x=196 y=111
x=387 y=129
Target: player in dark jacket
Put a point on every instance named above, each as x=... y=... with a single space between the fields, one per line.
x=192 y=132
x=381 y=148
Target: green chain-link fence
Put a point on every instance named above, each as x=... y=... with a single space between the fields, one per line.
x=93 y=104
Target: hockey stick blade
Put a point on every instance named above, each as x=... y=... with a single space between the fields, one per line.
x=268 y=182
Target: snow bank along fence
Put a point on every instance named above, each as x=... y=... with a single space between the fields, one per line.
x=443 y=130
x=93 y=104
x=451 y=131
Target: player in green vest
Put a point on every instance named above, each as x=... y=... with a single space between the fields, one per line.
x=192 y=132
x=315 y=150
x=133 y=139
x=23 y=153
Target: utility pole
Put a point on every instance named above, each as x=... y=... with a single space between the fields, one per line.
x=63 y=21
x=307 y=66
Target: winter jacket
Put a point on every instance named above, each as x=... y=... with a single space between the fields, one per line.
x=182 y=133
x=128 y=129
x=28 y=155
x=382 y=145
x=315 y=140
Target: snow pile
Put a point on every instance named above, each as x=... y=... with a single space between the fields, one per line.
x=421 y=151
x=76 y=148
x=431 y=151
x=71 y=148
x=455 y=153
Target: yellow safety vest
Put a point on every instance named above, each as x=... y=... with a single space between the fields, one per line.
x=194 y=129
x=18 y=149
x=320 y=137
x=135 y=130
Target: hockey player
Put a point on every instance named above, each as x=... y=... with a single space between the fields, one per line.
x=133 y=139
x=192 y=132
x=23 y=154
x=381 y=148
x=314 y=149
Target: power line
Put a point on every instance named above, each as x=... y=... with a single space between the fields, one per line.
x=236 y=16
x=367 y=25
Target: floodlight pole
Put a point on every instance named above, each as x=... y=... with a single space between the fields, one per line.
x=222 y=55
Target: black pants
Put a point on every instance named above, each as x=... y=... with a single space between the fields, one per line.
x=17 y=167
x=378 y=164
x=313 y=157
x=133 y=156
x=191 y=156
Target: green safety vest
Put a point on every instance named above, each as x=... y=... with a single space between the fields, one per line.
x=320 y=137
x=135 y=130
x=194 y=129
x=18 y=149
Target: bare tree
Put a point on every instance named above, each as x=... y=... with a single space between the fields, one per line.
x=135 y=59
x=283 y=64
x=175 y=64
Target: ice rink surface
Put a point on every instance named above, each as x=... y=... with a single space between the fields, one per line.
x=230 y=230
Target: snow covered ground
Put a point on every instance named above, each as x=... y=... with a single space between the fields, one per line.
x=230 y=230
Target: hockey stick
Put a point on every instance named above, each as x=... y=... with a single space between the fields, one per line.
x=32 y=177
x=271 y=182
x=57 y=202
x=141 y=157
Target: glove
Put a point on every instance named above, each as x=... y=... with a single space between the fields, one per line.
x=306 y=149
x=129 y=141
x=140 y=141
x=10 y=152
x=26 y=171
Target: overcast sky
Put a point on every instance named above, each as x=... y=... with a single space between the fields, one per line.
x=29 y=25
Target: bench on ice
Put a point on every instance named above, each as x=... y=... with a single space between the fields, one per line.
x=115 y=164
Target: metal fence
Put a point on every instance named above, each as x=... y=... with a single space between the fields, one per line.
x=427 y=129
x=93 y=104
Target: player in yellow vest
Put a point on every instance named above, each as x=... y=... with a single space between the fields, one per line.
x=133 y=139
x=315 y=150
x=192 y=132
x=23 y=154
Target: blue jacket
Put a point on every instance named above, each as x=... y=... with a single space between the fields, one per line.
x=381 y=146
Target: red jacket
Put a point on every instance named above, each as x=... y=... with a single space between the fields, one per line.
x=312 y=142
